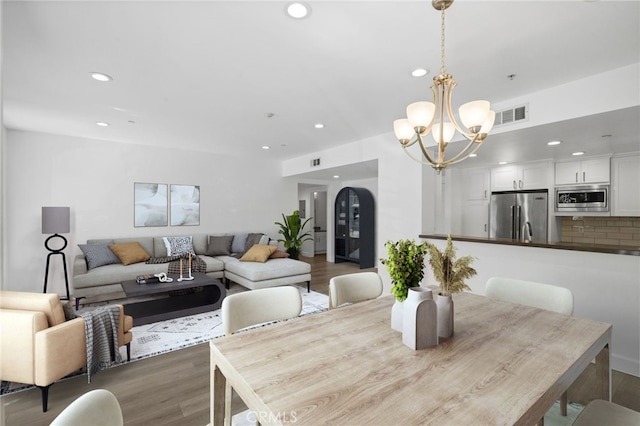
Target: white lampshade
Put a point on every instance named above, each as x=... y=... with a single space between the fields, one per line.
x=488 y=123
x=55 y=220
x=420 y=114
x=474 y=114
x=447 y=134
x=403 y=129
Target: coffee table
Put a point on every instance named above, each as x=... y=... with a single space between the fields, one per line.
x=173 y=306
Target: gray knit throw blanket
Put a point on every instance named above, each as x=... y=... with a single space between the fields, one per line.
x=101 y=327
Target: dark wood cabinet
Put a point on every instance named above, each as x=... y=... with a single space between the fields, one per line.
x=355 y=227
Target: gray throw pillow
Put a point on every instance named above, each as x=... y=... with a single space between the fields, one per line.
x=239 y=241
x=219 y=245
x=252 y=239
x=98 y=254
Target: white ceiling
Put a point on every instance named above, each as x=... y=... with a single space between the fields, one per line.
x=205 y=75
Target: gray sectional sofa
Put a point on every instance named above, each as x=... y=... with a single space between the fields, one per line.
x=90 y=280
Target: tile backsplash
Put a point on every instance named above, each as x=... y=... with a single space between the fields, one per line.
x=613 y=231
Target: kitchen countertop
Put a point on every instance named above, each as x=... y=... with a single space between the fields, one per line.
x=596 y=248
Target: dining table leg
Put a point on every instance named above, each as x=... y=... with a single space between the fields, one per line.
x=217 y=396
x=603 y=374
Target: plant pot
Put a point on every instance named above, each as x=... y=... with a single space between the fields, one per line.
x=445 y=315
x=396 y=316
x=419 y=319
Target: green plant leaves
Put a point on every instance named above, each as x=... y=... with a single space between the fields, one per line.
x=405 y=265
x=290 y=229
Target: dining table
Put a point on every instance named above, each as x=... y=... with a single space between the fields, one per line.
x=505 y=364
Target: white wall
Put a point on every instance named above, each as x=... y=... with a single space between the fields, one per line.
x=95 y=178
x=606 y=287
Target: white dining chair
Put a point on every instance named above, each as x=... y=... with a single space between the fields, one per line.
x=353 y=288
x=538 y=295
x=98 y=407
x=599 y=412
x=255 y=307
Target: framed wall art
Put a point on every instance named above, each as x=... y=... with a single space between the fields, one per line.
x=150 y=206
x=185 y=205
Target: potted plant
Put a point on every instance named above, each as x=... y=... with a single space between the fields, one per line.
x=451 y=274
x=405 y=265
x=291 y=229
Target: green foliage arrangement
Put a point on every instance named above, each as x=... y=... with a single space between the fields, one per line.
x=448 y=271
x=291 y=228
x=405 y=266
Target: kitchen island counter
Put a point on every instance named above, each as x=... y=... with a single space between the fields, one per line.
x=596 y=248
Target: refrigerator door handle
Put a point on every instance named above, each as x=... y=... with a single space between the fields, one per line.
x=513 y=221
x=518 y=225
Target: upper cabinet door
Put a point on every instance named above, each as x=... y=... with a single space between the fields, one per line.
x=476 y=184
x=504 y=178
x=595 y=170
x=625 y=186
x=517 y=177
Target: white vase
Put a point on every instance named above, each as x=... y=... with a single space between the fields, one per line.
x=445 y=316
x=396 y=316
x=419 y=319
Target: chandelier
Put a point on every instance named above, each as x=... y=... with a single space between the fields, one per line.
x=437 y=117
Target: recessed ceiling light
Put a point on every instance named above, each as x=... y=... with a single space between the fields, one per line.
x=298 y=10
x=266 y=147
x=419 y=72
x=102 y=124
x=554 y=143
x=502 y=163
x=336 y=176
x=319 y=126
x=577 y=153
x=473 y=155
x=100 y=76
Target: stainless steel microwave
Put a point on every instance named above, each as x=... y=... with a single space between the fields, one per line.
x=583 y=198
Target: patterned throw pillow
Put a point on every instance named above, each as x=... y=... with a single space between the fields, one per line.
x=177 y=246
x=98 y=254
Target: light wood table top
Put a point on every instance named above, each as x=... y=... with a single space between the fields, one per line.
x=506 y=364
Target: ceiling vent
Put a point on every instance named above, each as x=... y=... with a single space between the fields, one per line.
x=512 y=115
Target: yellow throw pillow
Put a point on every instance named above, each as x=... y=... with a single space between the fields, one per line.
x=258 y=253
x=129 y=253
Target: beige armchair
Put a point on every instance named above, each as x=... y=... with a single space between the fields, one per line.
x=37 y=345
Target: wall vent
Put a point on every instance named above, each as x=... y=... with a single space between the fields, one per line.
x=512 y=115
x=315 y=162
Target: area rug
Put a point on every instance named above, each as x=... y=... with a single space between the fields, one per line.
x=165 y=336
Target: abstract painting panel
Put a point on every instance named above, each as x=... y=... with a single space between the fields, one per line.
x=150 y=204
x=185 y=205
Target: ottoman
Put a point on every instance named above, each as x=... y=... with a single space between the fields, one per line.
x=272 y=273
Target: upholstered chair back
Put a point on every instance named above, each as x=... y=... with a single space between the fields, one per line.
x=47 y=303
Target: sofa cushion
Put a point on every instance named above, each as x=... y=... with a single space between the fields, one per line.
x=145 y=242
x=129 y=253
x=252 y=239
x=279 y=254
x=178 y=246
x=258 y=253
x=273 y=268
x=98 y=254
x=219 y=245
x=239 y=242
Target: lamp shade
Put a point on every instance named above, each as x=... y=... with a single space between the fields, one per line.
x=403 y=129
x=420 y=114
x=56 y=220
x=448 y=130
x=474 y=114
x=488 y=124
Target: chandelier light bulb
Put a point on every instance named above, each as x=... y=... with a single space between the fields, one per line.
x=474 y=114
x=403 y=130
x=448 y=130
x=420 y=114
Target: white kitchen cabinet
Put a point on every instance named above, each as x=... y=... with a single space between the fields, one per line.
x=475 y=184
x=625 y=186
x=475 y=218
x=515 y=177
x=593 y=170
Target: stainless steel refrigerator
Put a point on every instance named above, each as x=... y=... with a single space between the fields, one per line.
x=519 y=215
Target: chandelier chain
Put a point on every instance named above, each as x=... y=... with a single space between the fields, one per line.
x=442 y=66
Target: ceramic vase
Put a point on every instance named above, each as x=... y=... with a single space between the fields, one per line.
x=420 y=319
x=445 y=316
x=396 y=316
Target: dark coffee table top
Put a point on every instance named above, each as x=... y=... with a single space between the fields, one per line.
x=132 y=288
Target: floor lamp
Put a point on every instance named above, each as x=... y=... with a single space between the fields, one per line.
x=56 y=221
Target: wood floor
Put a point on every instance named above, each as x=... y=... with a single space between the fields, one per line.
x=173 y=389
